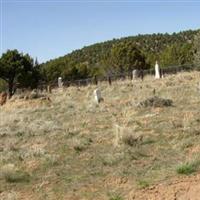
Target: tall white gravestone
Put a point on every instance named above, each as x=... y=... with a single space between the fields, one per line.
x=157 y=71
x=60 y=83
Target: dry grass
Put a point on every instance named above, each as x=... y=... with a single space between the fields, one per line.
x=65 y=149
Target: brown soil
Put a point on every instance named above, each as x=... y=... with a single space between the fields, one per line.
x=187 y=188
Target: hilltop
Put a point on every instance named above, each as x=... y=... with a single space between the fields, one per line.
x=101 y=58
x=66 y=148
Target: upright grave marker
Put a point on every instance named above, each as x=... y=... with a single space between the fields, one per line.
x=60 y=83
x=157 y=71
x=97 y=96
x=135 y=74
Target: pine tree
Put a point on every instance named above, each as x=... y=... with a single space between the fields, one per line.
x=36 y=62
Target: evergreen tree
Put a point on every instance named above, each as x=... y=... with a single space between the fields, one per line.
x=126 y=56
x=176 y=54
x=17 y=68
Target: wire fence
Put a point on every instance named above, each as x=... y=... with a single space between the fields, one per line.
x=119 y=76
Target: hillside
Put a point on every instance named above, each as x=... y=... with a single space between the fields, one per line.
x=67 y=148
x=174 y=49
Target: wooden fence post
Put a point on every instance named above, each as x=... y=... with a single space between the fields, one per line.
x=49 y=89
x=109 y=80
x=142 y=75
x=95 y=80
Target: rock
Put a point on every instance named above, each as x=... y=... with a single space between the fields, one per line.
x=3 y=98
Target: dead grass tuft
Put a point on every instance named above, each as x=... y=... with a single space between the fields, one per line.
x=156 y=102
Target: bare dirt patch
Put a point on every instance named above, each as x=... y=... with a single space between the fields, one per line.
x=187 y=188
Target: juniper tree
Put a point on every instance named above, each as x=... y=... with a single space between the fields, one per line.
x=15 y=68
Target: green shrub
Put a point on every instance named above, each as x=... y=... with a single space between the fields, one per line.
x=143 y=184
x=116 y=197
x=188 y=168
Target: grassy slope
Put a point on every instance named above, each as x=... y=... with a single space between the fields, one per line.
x=64 y=149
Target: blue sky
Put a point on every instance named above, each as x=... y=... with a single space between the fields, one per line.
x=49 y=29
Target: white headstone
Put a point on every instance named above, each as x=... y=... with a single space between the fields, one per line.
x=97 y=96
x=157 y=71
x=135 y=74
x=60 y=83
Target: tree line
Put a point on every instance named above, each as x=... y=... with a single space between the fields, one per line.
x=102 y=59
x=123 y=54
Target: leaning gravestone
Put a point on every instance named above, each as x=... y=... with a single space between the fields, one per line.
x=157 y=71
x=60 y=83
x=97 y=96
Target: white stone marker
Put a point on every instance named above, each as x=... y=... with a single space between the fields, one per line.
x=60 y=83
x=97 y=96
x=157 y=71
x=135 y=74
